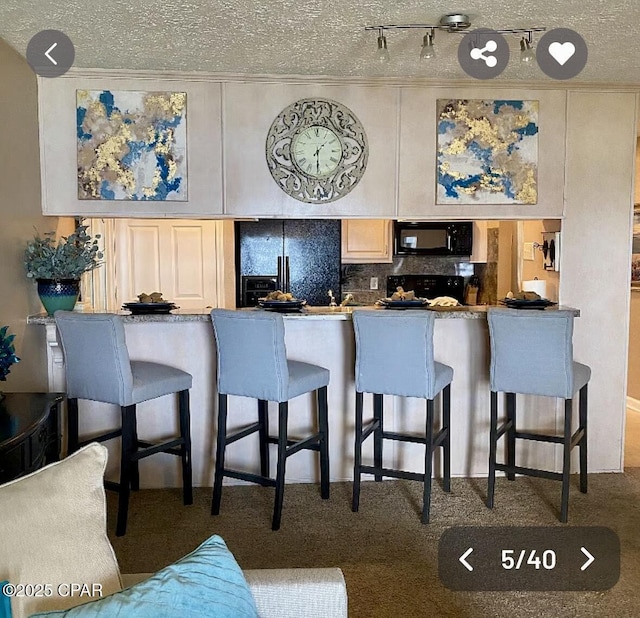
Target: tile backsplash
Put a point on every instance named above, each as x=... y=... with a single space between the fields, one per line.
x=356 y=277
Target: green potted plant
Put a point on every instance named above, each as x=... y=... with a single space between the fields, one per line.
x=7 y=354
x=57 y=266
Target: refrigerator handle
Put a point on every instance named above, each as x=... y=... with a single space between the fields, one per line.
x=280 y=281
x=287 y=275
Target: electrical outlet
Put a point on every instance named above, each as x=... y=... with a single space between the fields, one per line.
x=528 y=252
x=373 y=283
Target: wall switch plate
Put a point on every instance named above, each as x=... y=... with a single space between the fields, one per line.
x=528 y=252
x=373 y=283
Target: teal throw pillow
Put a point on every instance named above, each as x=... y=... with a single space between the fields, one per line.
x=207 y=582
x=5 y=601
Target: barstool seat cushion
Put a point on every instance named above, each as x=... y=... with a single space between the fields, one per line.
x=540 y=386
x=305 y=378
x=444 y=376
x=151 y=380
x=581 y=376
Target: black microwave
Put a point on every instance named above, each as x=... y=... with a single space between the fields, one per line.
x=433 y=238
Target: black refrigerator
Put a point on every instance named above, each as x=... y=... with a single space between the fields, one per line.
x=301 y=256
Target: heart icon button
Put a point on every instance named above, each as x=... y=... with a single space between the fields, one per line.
x=561 y=52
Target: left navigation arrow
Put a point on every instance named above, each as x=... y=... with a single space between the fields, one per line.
x=463 y=559
x=48 y=52
x=40 y=53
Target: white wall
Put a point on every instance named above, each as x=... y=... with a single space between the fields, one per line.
x=596 y=245
x=20 y=213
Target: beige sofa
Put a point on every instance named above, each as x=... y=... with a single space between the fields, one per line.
x=54 y=532
x=291 y=593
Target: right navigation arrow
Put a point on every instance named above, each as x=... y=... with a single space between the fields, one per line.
x=590 y=559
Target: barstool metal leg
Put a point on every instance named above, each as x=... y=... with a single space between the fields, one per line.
x=378 y=412
x=283 y=413
x=357 y=454
x=583 y=442
x=493 y=426
x=128 y=414
x=566 y=460
x=135 y=467
x=221 y=443
x=72 y=426
x=323 y=422
x=185 y=447
x=263 y=433
x=511 y=434
x=446 y=445
x=428 y=463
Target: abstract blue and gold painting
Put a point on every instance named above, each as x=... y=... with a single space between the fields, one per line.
x=131 y=145
x=487 y=151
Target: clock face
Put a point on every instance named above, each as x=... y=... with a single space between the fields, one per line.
x=317 y=150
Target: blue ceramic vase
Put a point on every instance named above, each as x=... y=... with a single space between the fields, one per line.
x=58 y=294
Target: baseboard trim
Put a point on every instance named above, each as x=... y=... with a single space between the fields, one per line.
x=633 y=404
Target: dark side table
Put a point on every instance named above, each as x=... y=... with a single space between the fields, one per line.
x=29 y=432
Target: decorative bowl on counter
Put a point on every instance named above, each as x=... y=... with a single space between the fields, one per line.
x=402 y=304
x=146 y=308
x=520 y=303
x=282 y=305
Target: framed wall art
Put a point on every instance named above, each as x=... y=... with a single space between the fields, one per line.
x=115 y=144
x=487 y=151
x=131 y=145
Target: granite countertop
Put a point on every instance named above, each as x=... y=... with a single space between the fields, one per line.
x=473 y=312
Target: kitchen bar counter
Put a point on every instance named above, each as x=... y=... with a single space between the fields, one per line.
x=323 y=336
x=471 y=312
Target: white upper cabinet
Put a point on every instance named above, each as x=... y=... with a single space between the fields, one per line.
x=418 y=155
x=227 y=123
x=367 y=241
x=59 y=156
x=249 y=109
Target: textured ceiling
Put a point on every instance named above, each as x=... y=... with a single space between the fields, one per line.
x=321 y=37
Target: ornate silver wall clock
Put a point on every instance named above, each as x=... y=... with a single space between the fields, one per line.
x=317 y=150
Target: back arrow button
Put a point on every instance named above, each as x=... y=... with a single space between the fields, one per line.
x=462 y=559
x=39 y=53
x=49 y=51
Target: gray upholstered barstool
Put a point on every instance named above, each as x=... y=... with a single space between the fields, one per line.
x=98 y=368
x=394 y=356
x=532 y=353
x=252 y=362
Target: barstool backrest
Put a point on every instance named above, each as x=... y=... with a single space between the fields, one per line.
x=394 y=352
x=531 y=351
x=96 y=357
x=252 y=357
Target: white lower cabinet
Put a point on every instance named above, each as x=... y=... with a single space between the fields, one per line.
x=367 y=241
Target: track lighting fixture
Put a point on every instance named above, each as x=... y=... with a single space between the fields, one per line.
x=428 y=51
x=450 y=23
x=527 y=53
x=382 y=54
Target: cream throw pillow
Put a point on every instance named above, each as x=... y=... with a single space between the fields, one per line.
x=53 y=531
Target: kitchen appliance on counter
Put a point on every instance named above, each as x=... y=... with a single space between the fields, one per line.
x=254 y=288
x=302 y=256
x=433 y=238
x=428 y=286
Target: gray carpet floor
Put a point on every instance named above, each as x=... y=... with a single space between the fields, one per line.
x=388 y=557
